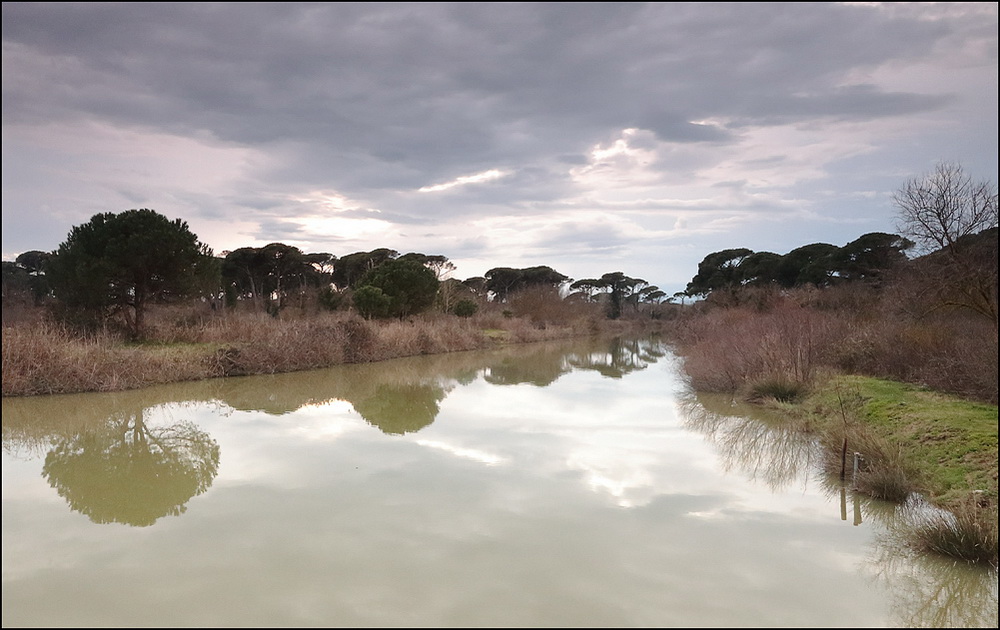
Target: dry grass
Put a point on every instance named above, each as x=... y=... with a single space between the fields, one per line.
x=967 y=532
x=194 y=342
x=44 y=358
x=883 y=473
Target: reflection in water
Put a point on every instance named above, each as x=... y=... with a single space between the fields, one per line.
x=404 y=395
x=404 y=409
x=932 y=592
x=511 y=523
x=130 y=472
x=747 y=440
x=622 y=357
x=926 y=591
x=613 y=358
x=115 y=468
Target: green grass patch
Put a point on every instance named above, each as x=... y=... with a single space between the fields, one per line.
x=950 y=443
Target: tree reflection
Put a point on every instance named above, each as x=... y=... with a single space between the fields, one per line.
x=622 y=357
x=132 y=473
x=401 y=409
x=772 y=452
x=927 y=591
x=614 y=359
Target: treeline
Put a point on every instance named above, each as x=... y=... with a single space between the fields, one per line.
x=868 y=258
x=116 y=266
x=113 y=268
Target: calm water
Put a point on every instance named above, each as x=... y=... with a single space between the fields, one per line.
x=571 y=484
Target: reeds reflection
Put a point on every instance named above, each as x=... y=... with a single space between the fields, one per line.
x=934 y=592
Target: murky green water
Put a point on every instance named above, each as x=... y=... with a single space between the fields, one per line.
x=570 y=484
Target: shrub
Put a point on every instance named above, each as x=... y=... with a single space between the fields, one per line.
x=465 y=308
x=372 y=303
x=778 y=388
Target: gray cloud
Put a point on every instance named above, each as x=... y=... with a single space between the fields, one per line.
x=376 y=100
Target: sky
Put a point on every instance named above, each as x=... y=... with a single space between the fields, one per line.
x=589 y=137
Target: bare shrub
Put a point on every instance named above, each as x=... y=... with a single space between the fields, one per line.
x=543 y=306
x=359 y=341
x=952 y=352
x=730 y=349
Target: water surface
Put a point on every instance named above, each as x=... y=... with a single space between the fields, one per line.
x=557 y=484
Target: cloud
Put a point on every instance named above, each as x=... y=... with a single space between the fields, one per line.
x=234 y=116
x=463 y=180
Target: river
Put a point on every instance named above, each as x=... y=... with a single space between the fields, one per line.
x=570 y=484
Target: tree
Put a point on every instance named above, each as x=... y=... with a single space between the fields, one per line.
x=440 y=265
x=954 y=220
x=16 y=281
x=940 y=208
x=870 y=256
x=244 y=274
x=502 y=282
x=27 y=275
x=350 y=269
x=371 y=302
x=614 y=282
x=121 y=263
x=465 y=308
x=760 y=269
x=451 y=292
x=719 y=270
x=588 y=287
x=809 y=264
x=269 y=275
x=477 y=284
x=409 y=286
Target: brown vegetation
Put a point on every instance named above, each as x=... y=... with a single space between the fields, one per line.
x=764 y=345
x=759 y=336
x=41 y=356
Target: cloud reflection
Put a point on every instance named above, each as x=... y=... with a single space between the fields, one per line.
x=468 y=453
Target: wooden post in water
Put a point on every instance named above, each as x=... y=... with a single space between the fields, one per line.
x=857 y=463
x=843 y=459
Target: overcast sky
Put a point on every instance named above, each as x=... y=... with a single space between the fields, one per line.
x=589 y=137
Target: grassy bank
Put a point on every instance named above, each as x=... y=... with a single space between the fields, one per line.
x=913 y=440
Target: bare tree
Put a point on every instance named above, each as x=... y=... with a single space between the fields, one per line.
x=938 y=209
x=953 y=220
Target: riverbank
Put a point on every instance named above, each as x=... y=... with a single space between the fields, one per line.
x=803 y=355
x=911 y=442
x=42 y=357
